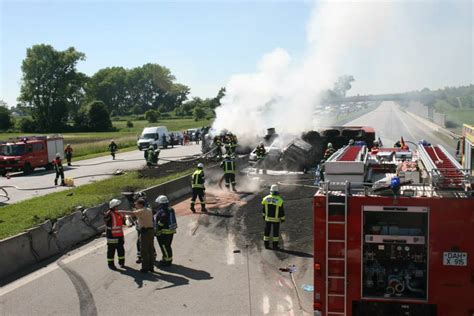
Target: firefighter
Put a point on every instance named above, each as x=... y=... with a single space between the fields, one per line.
x=375 y=147
x=198 y=188
x=114 y=234
x=319 y=173
x=273 y=214
x=152 y=156
x=113 y=148
x=218 y=144
x=329 y=151
x=165 y=227
x=58 y=167
x=227 y=143
x=68 y=154
x=228 y=164
x=144 y=216
x=261 y=152
x=351 y=142
x=233 y=144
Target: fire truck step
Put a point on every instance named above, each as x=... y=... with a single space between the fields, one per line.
x=335 y=277
x=336 y=240
x=336 y=203
x=336 y=313
x=336 y=222
x=336 y=259
x=335 y=295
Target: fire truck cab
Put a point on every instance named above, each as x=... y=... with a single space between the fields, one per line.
x=467 y=147
x=393 y=234
x=29 y=152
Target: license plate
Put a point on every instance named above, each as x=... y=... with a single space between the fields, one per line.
x=455 y=258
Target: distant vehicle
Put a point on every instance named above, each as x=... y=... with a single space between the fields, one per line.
x=30 y=152
x=192 y=132
x=177 y=137
x=157 y=136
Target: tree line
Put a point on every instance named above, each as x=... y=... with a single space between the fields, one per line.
x=57 y=97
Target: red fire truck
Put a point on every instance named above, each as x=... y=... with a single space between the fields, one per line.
x=29 y=152
x=394 y=234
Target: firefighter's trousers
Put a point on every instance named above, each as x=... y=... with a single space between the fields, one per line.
x=139 y=246
x=113 y=244
x=267 y=236
x=229 y=179
x=198 y=193
x=146 y=248
x=165 y=240
x=59 y=173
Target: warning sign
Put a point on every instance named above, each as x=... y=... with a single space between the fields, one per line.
x=455 y=258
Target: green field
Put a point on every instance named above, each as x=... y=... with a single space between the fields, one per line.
x=455 y=117
x=20 y=216
x=89 y=145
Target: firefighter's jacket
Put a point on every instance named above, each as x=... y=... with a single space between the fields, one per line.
x=113 y=223
x=228 y=165
x=198 y=179
x=328 y=153
x=272 y=209
x=58 y=165
x=113 y=147
x=165 y=221
x=260 y=151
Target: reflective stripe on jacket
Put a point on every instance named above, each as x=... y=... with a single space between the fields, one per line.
x=229 y=166
x=198 y=179
x=272 y=209
x=114 y=224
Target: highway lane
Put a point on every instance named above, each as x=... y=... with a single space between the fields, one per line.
x=41 y=182
x=390 y=123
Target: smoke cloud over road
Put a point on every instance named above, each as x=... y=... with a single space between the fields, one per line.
x=387 y=46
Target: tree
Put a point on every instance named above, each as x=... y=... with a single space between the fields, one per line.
x=152 y=116
x=5 y=117
x=109 y=85
x=216 y=102
x=343 y=84
x=199 y=113
x=98 y=117
x=50 y=84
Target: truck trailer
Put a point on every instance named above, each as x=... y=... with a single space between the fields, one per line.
x=393 y=234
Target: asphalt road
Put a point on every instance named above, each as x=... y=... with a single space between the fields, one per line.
x=41 y=182
x=390 y=123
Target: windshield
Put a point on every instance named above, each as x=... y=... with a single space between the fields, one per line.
x=13 y=150
x=150 y=136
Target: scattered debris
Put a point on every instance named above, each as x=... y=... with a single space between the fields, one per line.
x=291 y=268
x=308 y=288
x=237 y=251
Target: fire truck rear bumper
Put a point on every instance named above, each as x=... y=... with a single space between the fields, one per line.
x=371 y=308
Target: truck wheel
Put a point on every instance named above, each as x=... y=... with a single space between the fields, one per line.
x=27 y=168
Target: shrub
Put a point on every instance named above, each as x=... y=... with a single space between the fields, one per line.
x=152 y=116
x=129 y=124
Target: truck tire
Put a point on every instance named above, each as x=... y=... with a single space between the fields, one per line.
x=27 y=169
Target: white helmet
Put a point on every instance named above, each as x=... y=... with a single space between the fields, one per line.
x=114 y=203
x=274 y=188
x=58 y=155
x=162 y=199
x=200 y=165
x=329 y=145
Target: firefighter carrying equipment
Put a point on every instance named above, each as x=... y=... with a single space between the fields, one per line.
x=198 y=189
x=273 y=214
x=114 y=234
x=165 y=227
x=58 y=167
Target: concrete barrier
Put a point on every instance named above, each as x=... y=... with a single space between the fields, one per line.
x=16 y=254
x=43 y=241
x=71 y=230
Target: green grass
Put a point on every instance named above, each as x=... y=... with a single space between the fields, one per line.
x=171 y=124
x=455 y=117
x=18 y=217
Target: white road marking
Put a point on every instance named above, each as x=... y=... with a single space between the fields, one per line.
x=266 y=305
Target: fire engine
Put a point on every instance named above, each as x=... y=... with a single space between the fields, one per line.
x=393 y=233
x=29 y=152
x=467 y=147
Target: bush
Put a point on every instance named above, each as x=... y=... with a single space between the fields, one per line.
x=199 y=113
x=152 y=116
x=129 y=124
x=98 y=117
x=26 y=125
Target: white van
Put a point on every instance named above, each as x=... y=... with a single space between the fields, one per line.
x=157 y=136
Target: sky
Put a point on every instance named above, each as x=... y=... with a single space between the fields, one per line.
x=206 y=43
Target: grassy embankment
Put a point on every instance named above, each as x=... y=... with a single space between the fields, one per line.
x=90 y=145
x=455 y=116
x=20 y=216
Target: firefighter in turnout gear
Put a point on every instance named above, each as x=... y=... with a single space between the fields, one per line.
x=198 y=188
x=68 y=154
x=228 y=164
x=58 y=167
x=165 y=227
x=152 y=155
x=329 y=151
x=261 y=152
x=113 y=148
x=218 y=143
x=114 y=234
x=273 y=214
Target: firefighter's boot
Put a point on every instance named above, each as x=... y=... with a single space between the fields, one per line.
x=55 y=181
x=204 y=209
x=267 y=244
x=275 y=246
x=193 y=209
x=63 y=183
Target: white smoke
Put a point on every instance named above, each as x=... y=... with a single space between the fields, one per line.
x=282 y=93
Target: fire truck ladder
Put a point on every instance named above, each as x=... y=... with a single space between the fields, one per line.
x=336 y=203
x=446 y=172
